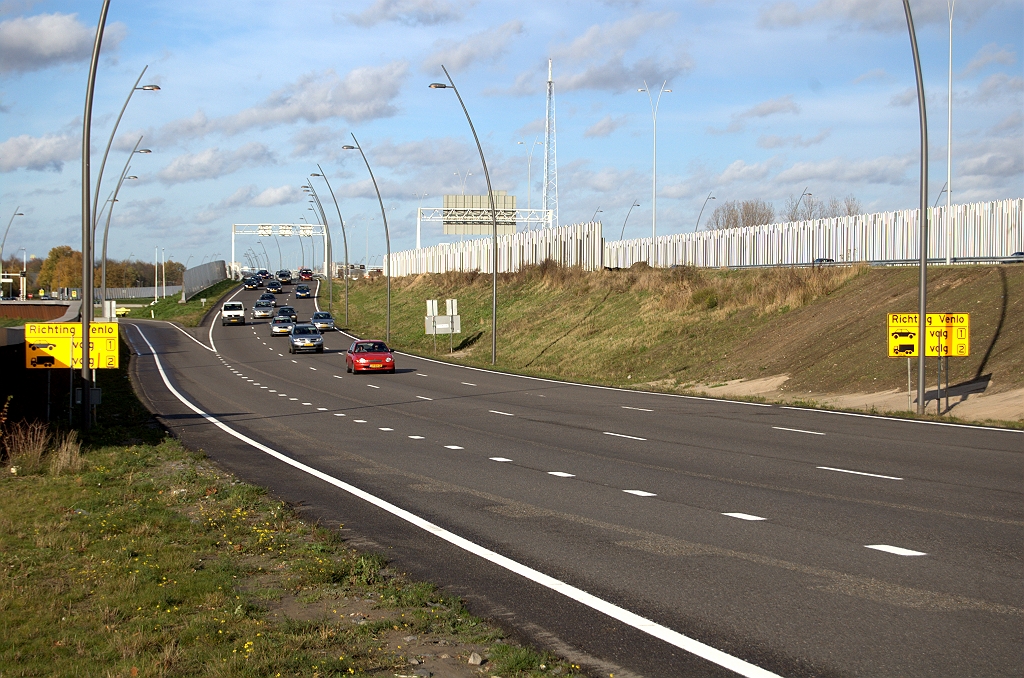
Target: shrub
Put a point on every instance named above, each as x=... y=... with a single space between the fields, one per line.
x=26 y=444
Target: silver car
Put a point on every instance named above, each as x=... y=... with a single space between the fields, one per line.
x=305 y=337
x=263 y=309
x=281 y=326
x=323 y=321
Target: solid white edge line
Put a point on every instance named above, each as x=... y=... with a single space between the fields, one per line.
x=797 y=430
x=909 y=421
x=593 y=602
x=857 y=473
x=188 y=335
x=638 y=409
x=895 y=550
x=505 y=414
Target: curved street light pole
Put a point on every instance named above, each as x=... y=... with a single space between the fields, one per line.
x=710 y=197
x=922 y=306
x=4 y=241
x=260 y=243
x=280 y=263
x=635 y=204
x=106 y=226
x=344 y=240
x=103 y=164
x=494 y=217
x=322 y=220
x=797 y=207
x=87 y=221
x=387 y=235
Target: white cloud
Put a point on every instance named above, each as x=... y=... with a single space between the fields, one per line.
x=282 y=195
x=989 y=54
x=798 y=141
x=883 y=170
x=38 y=42
x=409 y=12
x=616 y=75
x=783 y=104
x=39 y=153
x=875 y=15
x=998 y=86
x=483 y=46
x=363 y=94
x=213 y=163
x=904 y=98
x=604 y=126
x=1013 y=122
x=874 y=74
x=599 y=40
x=319 y=140
x=740 y=171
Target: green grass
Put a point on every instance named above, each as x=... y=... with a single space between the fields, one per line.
x=18 y=322
x=148 y=561
x=190 y=313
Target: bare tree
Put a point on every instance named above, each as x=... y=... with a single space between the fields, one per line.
x=736 y=213
x=812 y=208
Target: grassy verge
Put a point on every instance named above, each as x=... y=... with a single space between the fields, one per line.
x=190 y=313
x=680 y=329
x=139 y=558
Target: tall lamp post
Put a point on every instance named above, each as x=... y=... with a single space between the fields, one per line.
x=344 y=240
x=529 y=175
x=4 y=242
x=654 y=169
x=922 y=282
x=106 y=226
x=494 y=216
x=949 y=141
x=260 y=243
x=87 y=220
x=327 y=247
x=710 y=197
x=387 y=235
x=419 y=206
x=797 y=207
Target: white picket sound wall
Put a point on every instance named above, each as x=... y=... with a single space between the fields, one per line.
x=988 y=229
x=574 y=245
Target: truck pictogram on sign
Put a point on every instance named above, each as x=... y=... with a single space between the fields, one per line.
x=946 y=334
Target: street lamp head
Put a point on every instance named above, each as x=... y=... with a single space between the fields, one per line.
x=150 y=88
x=666 y=90
x=348 y=148
x=438 y=85
x=642 y=89
x=131 y=176
x=315 y=174
x=144 y=151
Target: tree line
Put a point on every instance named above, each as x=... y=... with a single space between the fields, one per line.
x=757 y=212
x=63 y=268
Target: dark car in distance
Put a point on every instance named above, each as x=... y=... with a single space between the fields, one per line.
x=305 y=337
x=253 y=283
x=263 y=274
x=284 y=276
x=275 y=287
x=287 y=312
x=302 y=292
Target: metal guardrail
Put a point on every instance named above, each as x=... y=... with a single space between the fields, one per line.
x=935 y=261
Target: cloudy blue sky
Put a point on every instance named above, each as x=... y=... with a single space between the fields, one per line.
x=768 y=97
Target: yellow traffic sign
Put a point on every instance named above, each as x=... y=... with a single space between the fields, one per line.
x=946 y=334
x=59 y=345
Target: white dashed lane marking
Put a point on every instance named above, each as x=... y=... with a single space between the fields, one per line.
x=640 y=493
x=623 y=435
x=561 y=474
x=385 y=428
x=466 y=383
x=359 y=421
x=420 y=375
x=424 y=398
x=338 y=414
x=454 y=447
x=857 y=473
x=296 y=362
x=307 y=403
x=416 y=437
x=638 y=409
x=896 y=550
x=313 y=368
x=500 y=459
x=337 y=376
x=506 y=414
x=322 y=409
x=743 y=516
x=797 y=430
x=293 y=399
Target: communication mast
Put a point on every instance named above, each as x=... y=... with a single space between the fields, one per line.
x=549 y=199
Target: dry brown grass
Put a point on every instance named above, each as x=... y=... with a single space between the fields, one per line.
x=67 y=455
x=25 y=444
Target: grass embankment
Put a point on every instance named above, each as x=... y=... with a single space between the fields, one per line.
x=190 y=313
x=18 y=322
x=673 y=329
x=138 y=558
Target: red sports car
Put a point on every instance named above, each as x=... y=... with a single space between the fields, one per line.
x=369 y=356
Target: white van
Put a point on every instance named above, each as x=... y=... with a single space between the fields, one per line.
x=232 y=313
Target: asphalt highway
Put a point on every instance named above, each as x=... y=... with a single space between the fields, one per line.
x=639 y=534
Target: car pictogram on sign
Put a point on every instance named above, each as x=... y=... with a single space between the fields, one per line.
x=908 y=335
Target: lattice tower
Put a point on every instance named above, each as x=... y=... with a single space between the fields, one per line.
x=549 y=198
